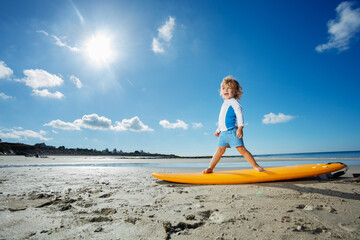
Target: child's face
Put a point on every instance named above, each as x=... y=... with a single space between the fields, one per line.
x=227 y=92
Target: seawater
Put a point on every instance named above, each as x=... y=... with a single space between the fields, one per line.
x=327 y=155
x=350 y=158
x=240 y=164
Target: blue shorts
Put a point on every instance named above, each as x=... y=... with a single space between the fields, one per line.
x=229 y=139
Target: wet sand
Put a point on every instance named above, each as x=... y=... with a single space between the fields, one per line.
x=128 y=203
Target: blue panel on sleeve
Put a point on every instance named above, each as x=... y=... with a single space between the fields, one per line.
x=230 y=119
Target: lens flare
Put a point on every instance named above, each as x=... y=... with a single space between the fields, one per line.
x=99 y=49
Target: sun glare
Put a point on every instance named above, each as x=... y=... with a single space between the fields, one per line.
x=99 y=49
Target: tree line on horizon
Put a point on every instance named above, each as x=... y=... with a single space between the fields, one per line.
x=40 y=149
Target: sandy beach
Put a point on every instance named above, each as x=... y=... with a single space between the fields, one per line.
x=128 y=203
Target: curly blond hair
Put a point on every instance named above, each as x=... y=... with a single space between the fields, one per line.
x=231 y=82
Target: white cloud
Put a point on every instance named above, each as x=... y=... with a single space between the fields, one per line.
x=9 y=135
x=134 y=124
x=43 y=32
x=157 y=46
x=95 y=122
x=4 y=96
x=165 y=34
x=5 y=71
x=59 y=42
x=22 y=135
x=38 y=78
x=76 y=81
x=62 y=125
x=342 y=29
x=178 y=124
x=166 y=31
x=42 y=132
x=197 y=125
x=46 y=94
x=272 y=118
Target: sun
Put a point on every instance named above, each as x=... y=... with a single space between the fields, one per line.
x=99 y=49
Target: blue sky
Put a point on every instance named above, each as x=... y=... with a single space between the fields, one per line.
x=145 y=75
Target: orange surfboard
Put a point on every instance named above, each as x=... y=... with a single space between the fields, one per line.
x=251 y=175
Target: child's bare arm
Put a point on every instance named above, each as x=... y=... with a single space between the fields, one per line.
x=217 y=134
x=239 y=132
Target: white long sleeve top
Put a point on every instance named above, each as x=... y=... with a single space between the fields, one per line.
x=230 y=115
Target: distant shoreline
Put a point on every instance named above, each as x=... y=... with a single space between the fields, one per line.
x=41 y=150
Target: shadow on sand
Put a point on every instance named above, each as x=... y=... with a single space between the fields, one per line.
x=292 y=185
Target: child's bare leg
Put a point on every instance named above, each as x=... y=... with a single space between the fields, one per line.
x=247 y=155
x=215 y=159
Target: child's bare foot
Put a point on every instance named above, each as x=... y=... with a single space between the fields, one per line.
x=208 y=170
x=260 y=169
